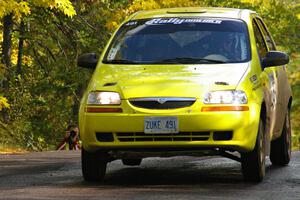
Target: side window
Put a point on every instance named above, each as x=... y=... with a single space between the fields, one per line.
x=260 y=44
x=266 y=34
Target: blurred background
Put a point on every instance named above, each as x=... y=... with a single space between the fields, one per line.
x=40 y=84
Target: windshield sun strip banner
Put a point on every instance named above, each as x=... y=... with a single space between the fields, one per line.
x=162 y=21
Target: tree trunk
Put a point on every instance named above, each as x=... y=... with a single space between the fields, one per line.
x=6 y=57
x=6 y=47
x=20 y=47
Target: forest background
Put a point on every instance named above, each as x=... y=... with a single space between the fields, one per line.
x=40 y=40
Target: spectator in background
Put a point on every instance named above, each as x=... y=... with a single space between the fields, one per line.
x=71 y=138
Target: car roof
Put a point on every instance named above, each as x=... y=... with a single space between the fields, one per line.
x=232 y=13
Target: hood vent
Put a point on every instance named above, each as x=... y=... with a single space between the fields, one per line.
x=110 y=84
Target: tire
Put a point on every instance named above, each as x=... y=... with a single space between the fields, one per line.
x=253 y=163
x=281 y=147
x=132 y=162
x=93 y=165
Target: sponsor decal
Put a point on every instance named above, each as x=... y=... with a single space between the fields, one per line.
x=158 y=21
x=113 y=52
x=256 y=83
x=131 y=23
x=253 y=78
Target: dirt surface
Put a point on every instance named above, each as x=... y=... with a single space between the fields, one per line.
x=57 y=175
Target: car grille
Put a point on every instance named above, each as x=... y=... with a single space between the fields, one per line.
x=176 y=137
x=162 y=103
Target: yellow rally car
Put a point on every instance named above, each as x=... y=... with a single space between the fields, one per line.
x=187 y=81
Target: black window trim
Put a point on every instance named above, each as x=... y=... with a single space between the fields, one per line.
x=260 y=31
x=258 y=19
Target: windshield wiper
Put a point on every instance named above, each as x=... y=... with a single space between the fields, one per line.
x=119 y=61
x=190 y=60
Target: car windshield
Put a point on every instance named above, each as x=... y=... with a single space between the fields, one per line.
x=180 y=40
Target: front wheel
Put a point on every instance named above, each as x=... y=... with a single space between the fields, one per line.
x=253 y=163
x=281 y=147
x=93 y=165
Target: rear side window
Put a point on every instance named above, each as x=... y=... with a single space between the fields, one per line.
x=260 y=44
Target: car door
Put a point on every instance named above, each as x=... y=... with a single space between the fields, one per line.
x=281 y=77
x=270 y=80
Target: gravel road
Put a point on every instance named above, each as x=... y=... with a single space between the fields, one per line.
x=57 y=175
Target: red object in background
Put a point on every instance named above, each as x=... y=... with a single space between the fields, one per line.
x=74 y=145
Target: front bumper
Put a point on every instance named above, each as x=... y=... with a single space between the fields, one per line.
x=196 y=130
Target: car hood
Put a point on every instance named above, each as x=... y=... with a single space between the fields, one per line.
x=134 y=81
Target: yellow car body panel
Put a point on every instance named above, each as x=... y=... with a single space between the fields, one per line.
x=183 y=80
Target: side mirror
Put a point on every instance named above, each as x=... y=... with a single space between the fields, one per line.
x=88 y=60
x=275 y=58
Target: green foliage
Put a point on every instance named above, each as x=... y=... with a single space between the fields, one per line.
x=43 y=92
x=45 y=97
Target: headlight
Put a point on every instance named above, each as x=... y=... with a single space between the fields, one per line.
x=104 y=98
x=225 y=97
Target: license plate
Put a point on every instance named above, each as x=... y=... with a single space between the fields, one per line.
x=161 y=125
